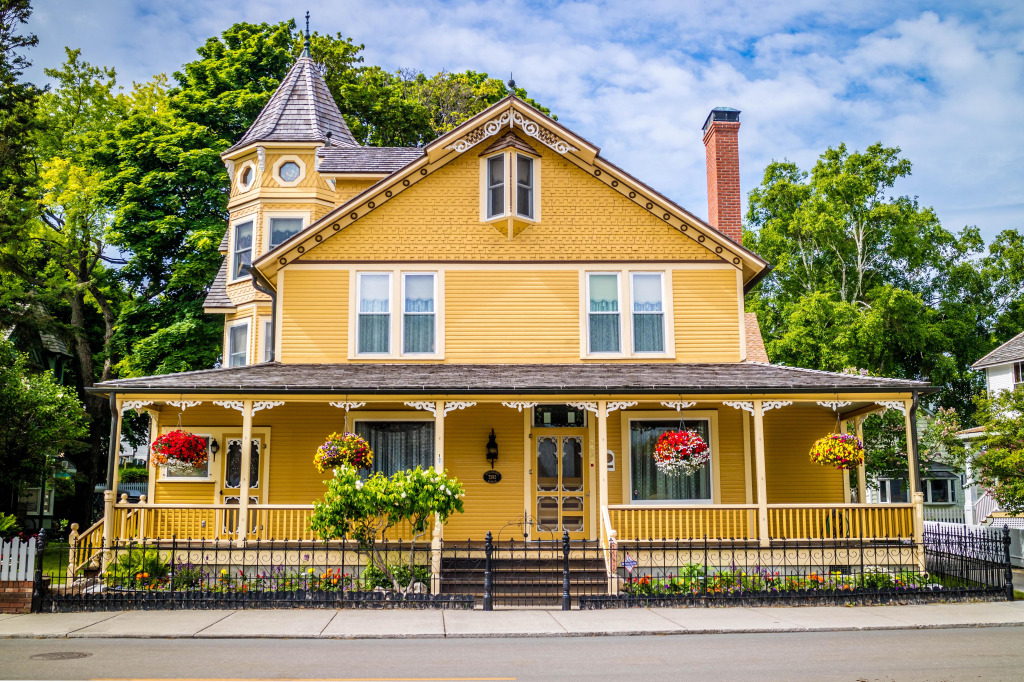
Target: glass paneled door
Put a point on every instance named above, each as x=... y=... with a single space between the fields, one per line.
x=231 y=491
x=560 y=477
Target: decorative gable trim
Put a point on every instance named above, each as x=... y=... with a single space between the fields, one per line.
x=511 y=118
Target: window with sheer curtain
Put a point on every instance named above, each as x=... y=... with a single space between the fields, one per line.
x=242 y=255
x=496 y=186
x=418 y=314
x=398 y=445
x=524 y=186
x=603 y=312
x=238 y=345
x=374 y=323
x=648 y=313
x=283 y=228
x=648 y=483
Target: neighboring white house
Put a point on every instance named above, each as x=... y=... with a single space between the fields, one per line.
x=1004 y=371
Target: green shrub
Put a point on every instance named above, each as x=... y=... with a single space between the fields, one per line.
x=134 y=474
x=8 y=526
x=137 y=568
x=375 y=577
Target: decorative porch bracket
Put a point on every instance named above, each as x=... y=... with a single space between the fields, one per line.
x=266 y=405
x=231 y=405
x=184 y=404
x=679 y=405
x=134 y=405
x=621 y=405
x=740 y=405
x=346 y=405
x=834 y=405
x=588 y=407
x=426 y=405
x=775 y=404
x=456 y=405
x=520 y=406
x=893 y=405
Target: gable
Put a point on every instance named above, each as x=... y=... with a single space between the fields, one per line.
x=438 y=219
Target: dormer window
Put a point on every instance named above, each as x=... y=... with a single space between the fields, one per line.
x=509 y=179
x=524 y=186
x=496 y=186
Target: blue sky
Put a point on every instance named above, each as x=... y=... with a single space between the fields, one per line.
x=942 y=80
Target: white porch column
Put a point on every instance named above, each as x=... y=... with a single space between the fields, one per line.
x=602 y=449
x=862 y=481
x=847 y=494
x=436 y=536
x=528 y=483
x=439 y=435
x=911 y=455
x=762 y=480
x=243 y=484
x=117 y=447
x=154 y=433
x=970 y=496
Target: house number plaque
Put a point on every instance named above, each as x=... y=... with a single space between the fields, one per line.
x=492 y=476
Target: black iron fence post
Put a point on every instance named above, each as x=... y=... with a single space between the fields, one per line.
x=37 y=577
x=488 y=549
x=566 y=599
x=1006 y=559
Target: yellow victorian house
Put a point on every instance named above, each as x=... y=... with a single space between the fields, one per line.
x=507 y=304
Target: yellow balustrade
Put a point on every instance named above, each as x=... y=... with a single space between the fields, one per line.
x=684 y=522
x=870 y=521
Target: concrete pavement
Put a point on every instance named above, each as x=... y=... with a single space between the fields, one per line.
x=413 y=624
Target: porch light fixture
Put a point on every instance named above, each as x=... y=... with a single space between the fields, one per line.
x=492 y=449
x=214 y=447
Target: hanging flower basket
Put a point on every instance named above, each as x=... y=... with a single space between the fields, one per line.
x=180 y=449
x=681 y=453
x=341 y=449
x=839 y=450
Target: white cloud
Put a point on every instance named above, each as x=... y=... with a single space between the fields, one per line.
x=942 y=80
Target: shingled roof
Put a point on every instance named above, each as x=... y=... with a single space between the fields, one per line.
x=217 y=296
x=1011 y=351
x=402 y=378
x=300 y=110
x=366 y=159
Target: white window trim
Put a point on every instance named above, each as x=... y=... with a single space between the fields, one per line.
x=711 y=416
x=165 y=478
x=283 y=159
x=242 y=187
x=429 y=354
x=511 y=183
x=626 y=344
x=536 y=187
x=248 y=341
x=632 y=313
x=249 y=218
x=265 y=332
x=269 y=215
x=485 y=188
x=396 y=328
x=1017 y=370
x=390 y=314
x=927 y=485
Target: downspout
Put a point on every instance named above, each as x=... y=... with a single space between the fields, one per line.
x=913 y=443
x=112 y=457
x=263 y=285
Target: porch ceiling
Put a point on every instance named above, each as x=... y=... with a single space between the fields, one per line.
x=597 y=378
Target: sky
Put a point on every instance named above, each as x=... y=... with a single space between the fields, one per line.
x=942 y=80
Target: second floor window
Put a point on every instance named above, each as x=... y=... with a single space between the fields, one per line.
x=238 y=345
x=243 y=249
x=603 y=313
x=283 y=228
x=524 y=186
x=418 y=314
x=648 y=313
x=374 y=320
x=496 y=186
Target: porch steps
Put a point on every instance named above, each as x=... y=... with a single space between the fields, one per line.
x=523 y=581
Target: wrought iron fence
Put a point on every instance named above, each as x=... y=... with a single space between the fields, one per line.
x=970 y=558
x=206 y=574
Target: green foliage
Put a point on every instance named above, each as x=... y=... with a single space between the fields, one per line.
x=999 y=464
x=137 y=568
x=374 y=577
x=134 y=474
x=8 y=526
x=39 y=419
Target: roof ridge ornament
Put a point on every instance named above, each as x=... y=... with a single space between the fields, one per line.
x=511 y=117
x=305 y=44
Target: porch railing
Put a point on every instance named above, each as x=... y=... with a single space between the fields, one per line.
x=635 y=522
x=796 y=521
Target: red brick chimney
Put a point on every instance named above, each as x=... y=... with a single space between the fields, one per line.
x=721 y=142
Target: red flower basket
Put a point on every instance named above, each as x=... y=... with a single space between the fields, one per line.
x=681 y=453
x=180 y=448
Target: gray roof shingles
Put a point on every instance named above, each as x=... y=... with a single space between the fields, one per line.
x=302 y=109
x=1011 y=351
x=366 y=159
x=374 y=378
x=217 y=296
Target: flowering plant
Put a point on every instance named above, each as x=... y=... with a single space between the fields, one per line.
x=681 y=452
x=340 y=449
x=839 y=450
x=180 y=448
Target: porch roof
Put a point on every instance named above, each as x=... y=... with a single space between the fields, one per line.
x=611 y=378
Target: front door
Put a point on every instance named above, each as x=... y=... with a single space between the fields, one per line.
x=560 y=485
x=231 y=492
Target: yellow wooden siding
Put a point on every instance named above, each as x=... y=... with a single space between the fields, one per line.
x=177 y=492
x=314 y=316
x=439 y=219
x=346 y=188
x=731 y=463
x=488 y=506
x=310 y=180
x=512 y=316
x=789 y=433
x=707 y=325
x=621 y=472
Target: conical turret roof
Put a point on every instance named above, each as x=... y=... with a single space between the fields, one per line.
x=300 y=110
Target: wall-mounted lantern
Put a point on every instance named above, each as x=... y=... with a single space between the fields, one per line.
x=214 y=448
x=492 y=449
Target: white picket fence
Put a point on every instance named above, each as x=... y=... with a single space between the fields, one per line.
x=17 y=559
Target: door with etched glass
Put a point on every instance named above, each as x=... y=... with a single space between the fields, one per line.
x=231 y=492
x=560 y=476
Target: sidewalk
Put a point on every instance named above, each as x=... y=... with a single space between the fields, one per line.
x=409 y=624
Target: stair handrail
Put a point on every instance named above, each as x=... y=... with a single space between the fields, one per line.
x=609 y=545
x=87 y=544
x=985 y=506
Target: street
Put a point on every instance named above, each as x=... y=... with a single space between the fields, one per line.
x=922 y=654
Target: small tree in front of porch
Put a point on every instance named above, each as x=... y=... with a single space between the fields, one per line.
x=366 y=509
x=999 y=464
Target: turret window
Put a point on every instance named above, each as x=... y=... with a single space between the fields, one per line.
x=242 y=252
x=290 y=171
x=281 y=229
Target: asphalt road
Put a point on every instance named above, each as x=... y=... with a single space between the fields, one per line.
x=954 y=654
